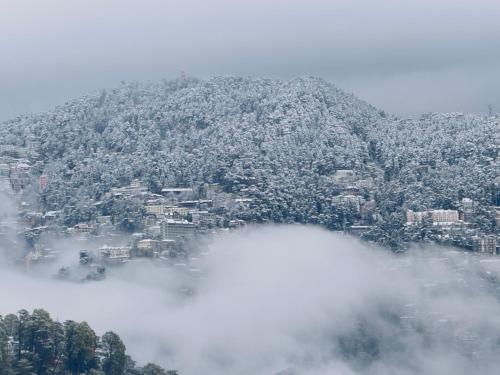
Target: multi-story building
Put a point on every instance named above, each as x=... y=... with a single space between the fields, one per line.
x=467 y=210
x=413 y=217
x=438 y=217
x=443 y=217
x=154 y=208
x=158 y=209
x=172 y=229
x=114 y=254
x=19 y=175
x=43 y=181
x=153 y=248
x=467 y=204
x=176 y=212
x=148 y=247
x=203 y=218
x=487 y=244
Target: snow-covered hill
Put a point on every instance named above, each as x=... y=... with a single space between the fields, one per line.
x=279 y=142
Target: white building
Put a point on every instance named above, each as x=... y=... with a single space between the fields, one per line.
x=442 y=217
x=438 y=217
x=172 y=229
x=114 y=254
x=158 y=209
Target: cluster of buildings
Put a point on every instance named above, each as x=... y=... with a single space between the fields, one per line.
x=182 y=212
x=355 y=194
x=450 y=221
x=14 y=174
x=173 y=218
x=172 y=223
x=346 y=182
x=18 y=165
x=441 y=217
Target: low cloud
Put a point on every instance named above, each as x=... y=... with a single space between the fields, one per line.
x=293 y=298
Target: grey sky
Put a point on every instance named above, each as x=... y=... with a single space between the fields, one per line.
x=406 y=57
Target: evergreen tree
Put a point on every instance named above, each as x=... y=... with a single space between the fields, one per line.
x=114 y=360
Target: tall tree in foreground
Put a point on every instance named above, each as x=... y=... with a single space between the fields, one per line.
x=80 y=350
x=114 y=359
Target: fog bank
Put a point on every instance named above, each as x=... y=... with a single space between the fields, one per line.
x=269 y=299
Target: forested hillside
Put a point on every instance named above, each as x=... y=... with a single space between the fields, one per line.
x=436 y=161
x=277 y=138
x=277 y=142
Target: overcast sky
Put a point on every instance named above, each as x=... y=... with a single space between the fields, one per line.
x=404 y=56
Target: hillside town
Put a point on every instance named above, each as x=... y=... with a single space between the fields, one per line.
x=175 y=220
x=250 y=187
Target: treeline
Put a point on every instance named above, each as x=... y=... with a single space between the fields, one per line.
x=36 y=344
